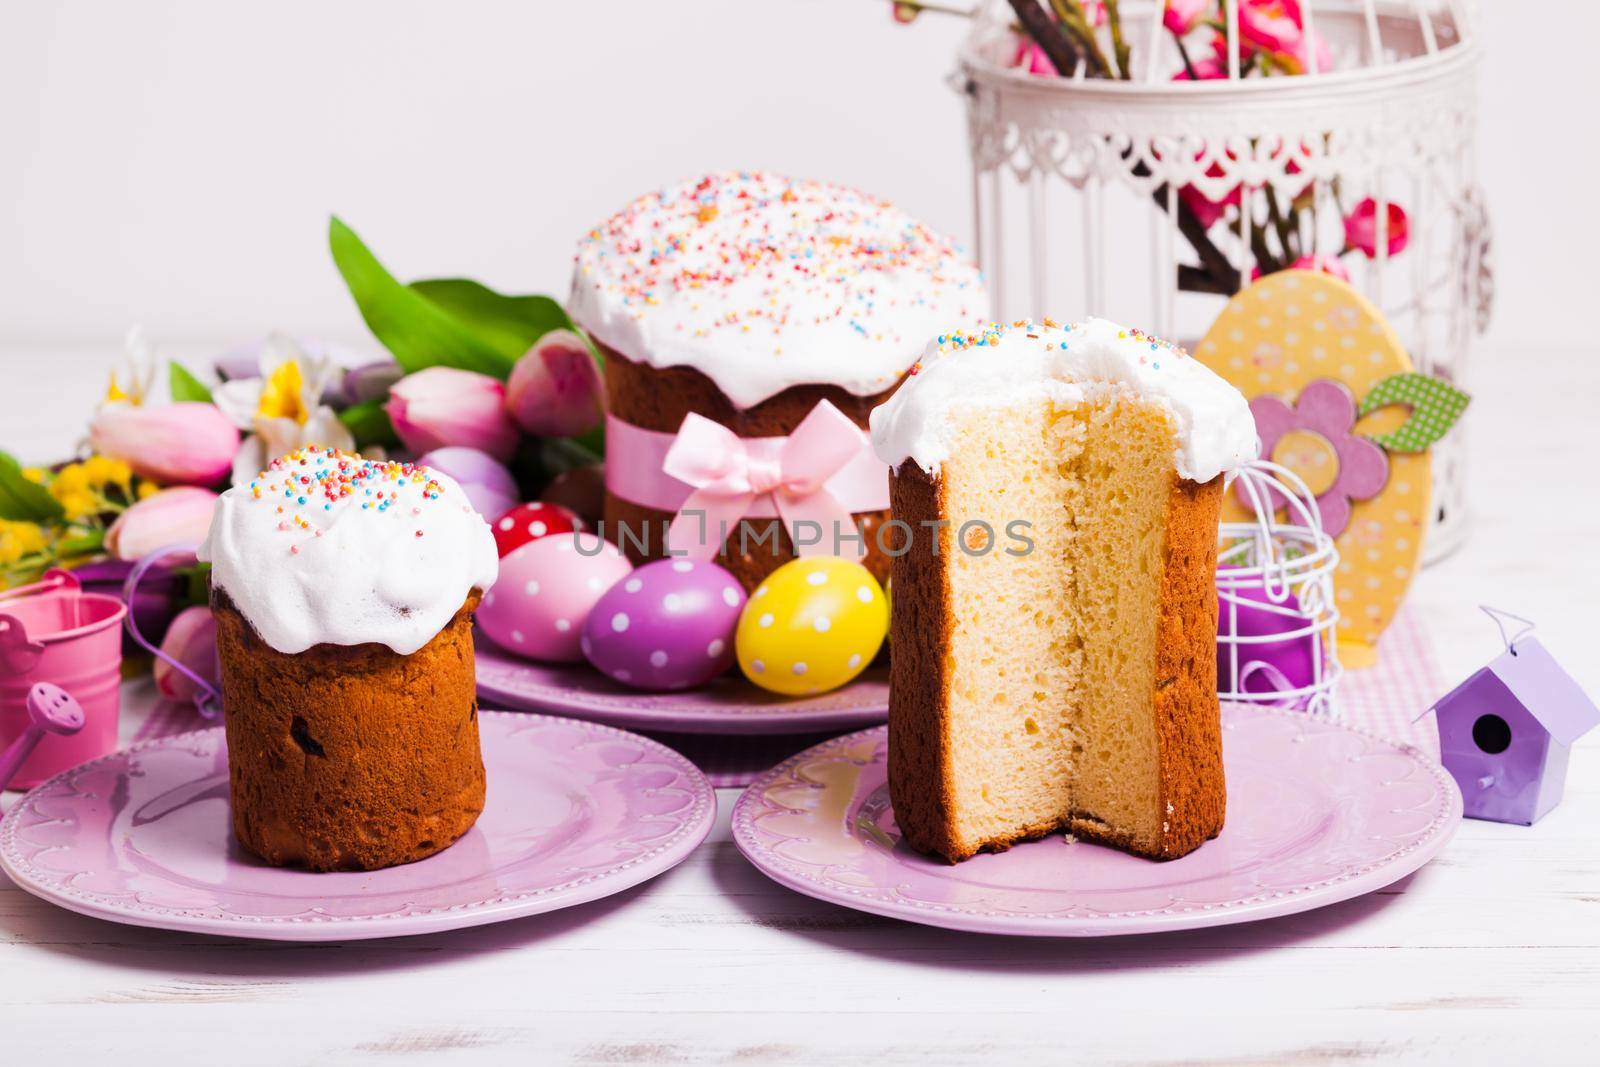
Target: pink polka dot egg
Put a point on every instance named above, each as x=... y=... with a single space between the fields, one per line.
x=667 y=626
x=545 y=592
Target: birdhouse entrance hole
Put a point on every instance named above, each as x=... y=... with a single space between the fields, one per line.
x=1492 y=734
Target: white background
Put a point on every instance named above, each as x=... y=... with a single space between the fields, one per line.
x=174 y=161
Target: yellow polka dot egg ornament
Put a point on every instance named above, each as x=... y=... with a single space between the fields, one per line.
x=812 y=626
x=1337 y=401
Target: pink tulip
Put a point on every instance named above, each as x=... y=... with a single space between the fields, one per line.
x=165 y=518
x=488 y=485
x=1031 y=59
x=555 y=389
x=1325 y=263
x=188 y=443
x=1182 y=16
x=442 y=406
x=1276 y=26
x=192 y=641
x=1361 y=228
x=1206 y=68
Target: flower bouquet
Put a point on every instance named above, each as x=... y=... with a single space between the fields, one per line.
x=501 y=392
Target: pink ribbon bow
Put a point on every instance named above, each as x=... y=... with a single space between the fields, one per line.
x=729 y=473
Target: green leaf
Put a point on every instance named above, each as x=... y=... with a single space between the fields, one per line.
x=186 y=386
x=418 y=331
x=511 y=324
x=370 y=424
x=22 y=500
x=1435 y=406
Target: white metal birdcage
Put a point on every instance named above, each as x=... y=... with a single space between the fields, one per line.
x=1275 y=602
x=1077 y=179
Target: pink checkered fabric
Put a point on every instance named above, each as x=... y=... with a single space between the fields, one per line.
x=1392 y=697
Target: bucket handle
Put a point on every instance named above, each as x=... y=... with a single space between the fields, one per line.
x=209 y=702
x=53 y=579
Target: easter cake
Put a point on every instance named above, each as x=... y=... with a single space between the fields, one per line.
x=1054 y=625
x=750 y=299
x=343 y=591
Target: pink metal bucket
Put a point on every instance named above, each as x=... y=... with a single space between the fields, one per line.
x=52 y=631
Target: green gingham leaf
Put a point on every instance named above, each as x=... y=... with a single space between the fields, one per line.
x=1435 y=406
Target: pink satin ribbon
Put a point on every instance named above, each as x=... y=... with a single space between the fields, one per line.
x=711 y=478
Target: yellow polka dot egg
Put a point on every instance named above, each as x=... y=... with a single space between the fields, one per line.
x=812 y=626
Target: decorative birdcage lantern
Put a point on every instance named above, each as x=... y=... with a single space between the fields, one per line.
x=1277 y=617
x=1155 y=190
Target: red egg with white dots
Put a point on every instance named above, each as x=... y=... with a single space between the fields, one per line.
x=531 y=521
x=544 y=594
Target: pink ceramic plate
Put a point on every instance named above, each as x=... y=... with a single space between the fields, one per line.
x=575 y=812
x=729 y=705
x=1317 y=813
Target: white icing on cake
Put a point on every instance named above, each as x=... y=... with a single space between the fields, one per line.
x=1006 y=364
x=761 y=283
x=324 y=547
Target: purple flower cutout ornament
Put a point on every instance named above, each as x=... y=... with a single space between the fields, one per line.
x=1314 y=439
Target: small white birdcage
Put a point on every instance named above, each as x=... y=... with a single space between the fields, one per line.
x=1079 y=181
x=1276 y=615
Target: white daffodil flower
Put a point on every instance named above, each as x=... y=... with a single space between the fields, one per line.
x=131 y=382
x=281 y=409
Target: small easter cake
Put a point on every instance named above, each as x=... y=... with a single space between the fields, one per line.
x=343 y=590
x=751 y=300
x=1054 y=625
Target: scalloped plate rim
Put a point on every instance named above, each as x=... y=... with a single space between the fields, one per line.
x=1308 y=898
x=777 y=718
x=696 y=826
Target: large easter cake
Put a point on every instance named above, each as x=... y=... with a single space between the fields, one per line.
x=1054 y=625
x=750 y=300
x=343 y=591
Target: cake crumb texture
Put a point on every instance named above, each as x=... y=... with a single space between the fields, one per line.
x=1071 y=686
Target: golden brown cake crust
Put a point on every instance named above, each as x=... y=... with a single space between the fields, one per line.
x=659 y=398
x=1188 y=721
x=350 y=757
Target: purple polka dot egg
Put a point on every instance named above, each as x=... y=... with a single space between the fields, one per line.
x=546 y=591
x=668 y=625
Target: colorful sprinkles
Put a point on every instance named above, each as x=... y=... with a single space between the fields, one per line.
x=313 y=481
x=990 y=335
x=785 y=255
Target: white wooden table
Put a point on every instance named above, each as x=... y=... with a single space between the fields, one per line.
x=1490 y=954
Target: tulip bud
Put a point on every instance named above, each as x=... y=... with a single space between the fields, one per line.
x=172 y=516
x=555 y=390
x=1361 y=228
x=192 y=641
x=442 y=406
x=187 y=443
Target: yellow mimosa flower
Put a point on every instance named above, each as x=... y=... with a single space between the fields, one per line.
x=104 y=470
x=69 y=481
x=79 y=505
x=34 y=474
x=282 y=394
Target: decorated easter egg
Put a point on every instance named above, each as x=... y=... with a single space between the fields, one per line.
x=545 y=591
x=1264 y=666
x=668 y=625
x=1337 y=401
x=531 y=521
x=812 y=626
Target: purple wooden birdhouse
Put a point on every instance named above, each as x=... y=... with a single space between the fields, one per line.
x=1505 y=733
